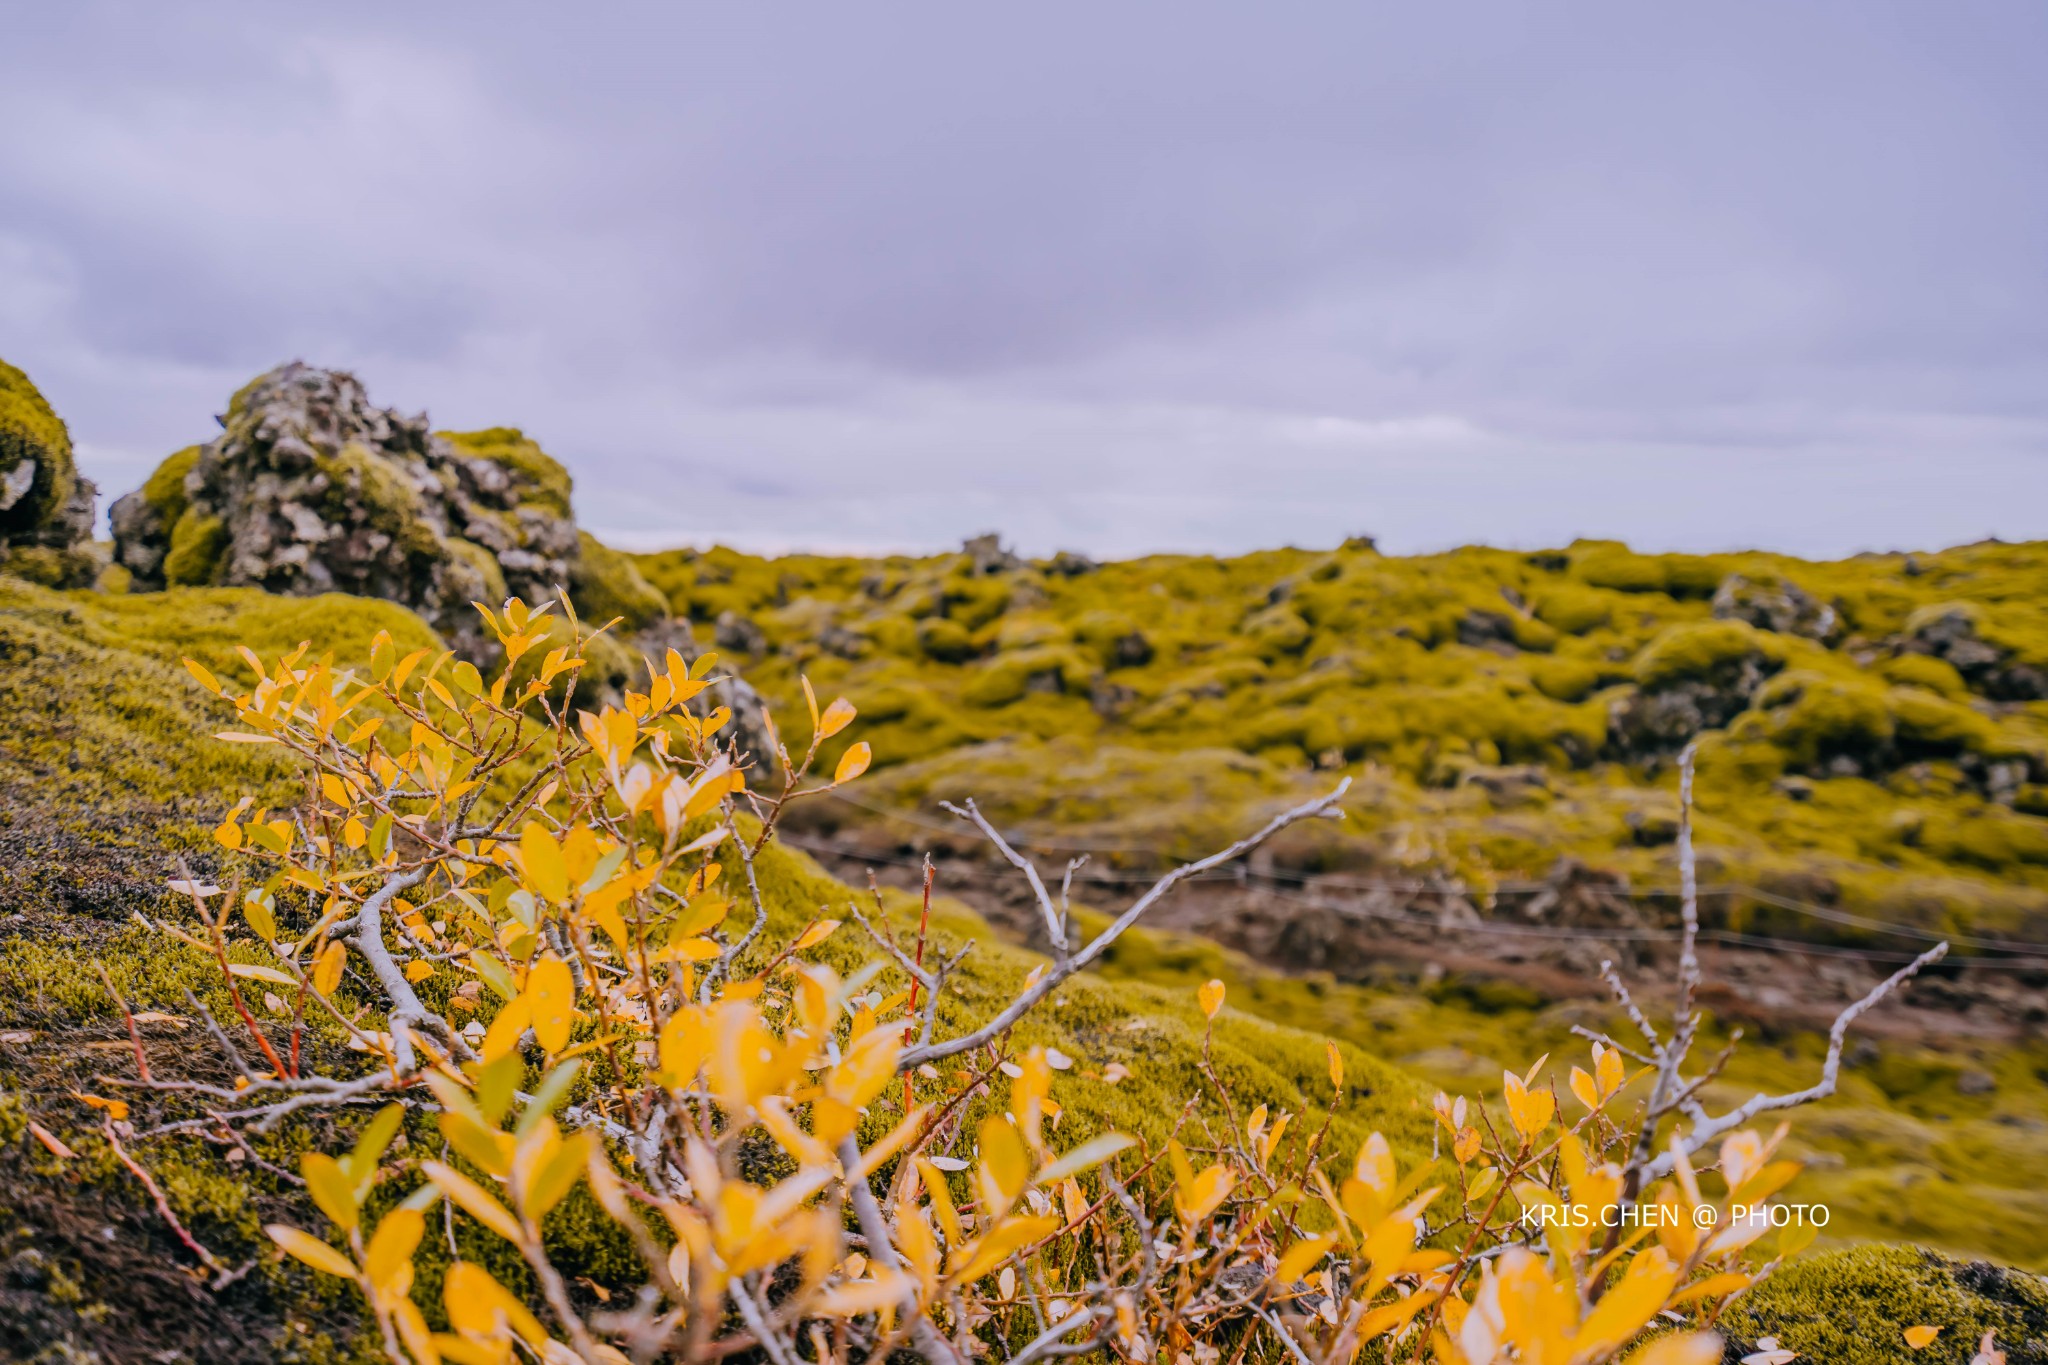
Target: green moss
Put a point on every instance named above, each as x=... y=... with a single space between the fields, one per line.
x=48 y=567
x=539 y=477
x=1816 y=717
x=31 y=430
x=605 y=584
x=945 y=640
x=1278 y=630
x=1923 y=670
x=164 y=490
x=196 y=545
x=1928 y=724
x=1009 y=676
x=1567 y=680
x=1700 y=650
x=359 y=477
x=1573 y=610
x=481 y=567
x=1853 y=1307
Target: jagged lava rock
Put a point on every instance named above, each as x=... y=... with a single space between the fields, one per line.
x=45 y=507
x=311 y=488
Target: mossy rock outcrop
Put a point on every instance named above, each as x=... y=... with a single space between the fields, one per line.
x=46 y=508
x=311 y=488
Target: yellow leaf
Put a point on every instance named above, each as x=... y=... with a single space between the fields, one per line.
x=813 y=936
x=418 y=970
x=1336 y=1066
x=853 y=762
x=1211 y=997
x=810 y=700
x=254 y=972
x=1004 y=1240
x=305 y=1247
x=332 y=1188
x=1003 y=1158
x=327 y=971
x=389 y=1256
x=837 y=717
x=116 y=1109
x=553 y=992
x=206 y=679
x=475 y=1200
x=1529 y=1110
x=1694 y=1348
x=1920 y=1338
x=228 y=834
x=1301 y=1256
x=1584 y=1087
x=475 y=1300
x=540 y=860
x=1088 y=1155
x=702 y=916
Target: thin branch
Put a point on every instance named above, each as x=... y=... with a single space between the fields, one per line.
x=1705 y=1130
x=1321 y=807
x=1046 y=907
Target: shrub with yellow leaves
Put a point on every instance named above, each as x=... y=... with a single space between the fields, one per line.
x=776 y=1139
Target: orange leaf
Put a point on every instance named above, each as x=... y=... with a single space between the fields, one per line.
x=837 y=717
x=1211 y=997
x=853 y=762
x=1920 y=1338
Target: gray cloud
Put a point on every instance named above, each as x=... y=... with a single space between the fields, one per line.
x=1201 y=276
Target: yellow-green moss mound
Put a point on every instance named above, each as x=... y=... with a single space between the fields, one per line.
x=46 y=509
x=1853 y=1308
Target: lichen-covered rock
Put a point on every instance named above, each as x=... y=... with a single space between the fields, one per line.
x=1775 y=603
x=46 y=508
x=1952 y=633
x=1693 y=677
x=311 y=488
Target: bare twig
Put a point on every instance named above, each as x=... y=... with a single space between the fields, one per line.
x=1322 y=807
x=1054 y=921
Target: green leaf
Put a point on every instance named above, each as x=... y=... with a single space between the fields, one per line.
x=551 y=1093
x=496 y=1083
x=370 y=1145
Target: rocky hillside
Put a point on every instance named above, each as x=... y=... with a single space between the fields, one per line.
x=1873 y=735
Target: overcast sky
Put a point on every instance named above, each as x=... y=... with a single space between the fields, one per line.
x=1115 y=277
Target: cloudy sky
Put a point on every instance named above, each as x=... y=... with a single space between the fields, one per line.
x=1112 y=277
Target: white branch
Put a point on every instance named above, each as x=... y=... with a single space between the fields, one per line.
x=1046 y=907
x=1324 y=806
x=1705 y=1128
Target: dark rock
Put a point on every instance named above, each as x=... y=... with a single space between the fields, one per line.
x=1130 y=650
x=987 y=555
x=1775 y=604
x=736 y=633
x=1486 y=630
x=1069 y=564
x=1951 y=633
x=842 y=641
